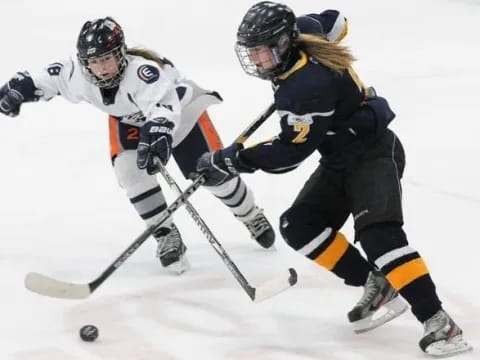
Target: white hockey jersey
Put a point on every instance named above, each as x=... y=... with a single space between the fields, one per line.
x=146 y=92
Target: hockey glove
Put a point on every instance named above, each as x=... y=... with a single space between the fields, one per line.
x=16 y=91
x=372 y=119
x=222 y=165
x=155 y=142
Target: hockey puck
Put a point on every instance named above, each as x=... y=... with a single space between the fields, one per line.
x=88 y=333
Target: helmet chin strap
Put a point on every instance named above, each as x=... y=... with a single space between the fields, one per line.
x=276 y=55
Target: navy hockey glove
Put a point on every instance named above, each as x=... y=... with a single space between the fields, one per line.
x=372 y=119
x=155 y=142
x=222 y=165
x=16 y=91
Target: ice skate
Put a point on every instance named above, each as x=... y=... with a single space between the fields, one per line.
x=260 y=228
x=442 y=337
x=171 y=250
x=379 y=304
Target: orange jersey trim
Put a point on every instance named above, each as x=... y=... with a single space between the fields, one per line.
x=208 y=129
x=113 y=133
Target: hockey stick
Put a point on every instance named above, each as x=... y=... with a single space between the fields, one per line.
x=255 y=124
x=45 y=285
x=256 y=293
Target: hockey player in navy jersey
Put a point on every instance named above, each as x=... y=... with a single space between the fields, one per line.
x=323 y=106
x=154 y=112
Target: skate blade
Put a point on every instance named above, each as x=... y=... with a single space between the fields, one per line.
x=394 y=308
x=179 y=267
x=443 y=348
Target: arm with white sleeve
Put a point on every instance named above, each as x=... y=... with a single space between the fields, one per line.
x=22 y=87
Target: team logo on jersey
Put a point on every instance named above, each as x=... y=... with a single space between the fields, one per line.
x=293 y=118
x=54 y=69
x=148 y=73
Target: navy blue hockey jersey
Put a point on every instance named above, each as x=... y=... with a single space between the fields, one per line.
x=316 y=106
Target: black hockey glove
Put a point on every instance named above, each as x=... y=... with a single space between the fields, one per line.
x=155 y=142
x=16 y=91
x=222 y=165
x=372 y=119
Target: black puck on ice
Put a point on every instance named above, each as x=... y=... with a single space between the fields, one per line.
x=89 y=333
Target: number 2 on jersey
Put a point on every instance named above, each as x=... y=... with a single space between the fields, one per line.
x=303 y=130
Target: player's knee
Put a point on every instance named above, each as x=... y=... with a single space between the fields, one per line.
x=380 y=239
x=299 y=225
x=129 y=176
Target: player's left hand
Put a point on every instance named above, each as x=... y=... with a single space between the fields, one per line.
x=220 y=166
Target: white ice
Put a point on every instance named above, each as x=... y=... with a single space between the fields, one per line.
x=62 y=213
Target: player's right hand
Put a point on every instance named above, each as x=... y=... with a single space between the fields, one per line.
x=10 y=101
x=19 y=89
x=155 y=142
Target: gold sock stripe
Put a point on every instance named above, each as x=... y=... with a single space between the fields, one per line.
x=404 y=274
x=333 y=253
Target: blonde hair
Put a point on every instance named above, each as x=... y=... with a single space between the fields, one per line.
x=146 y=54
x=334 y=56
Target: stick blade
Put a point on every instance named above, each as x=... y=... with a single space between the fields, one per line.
x=275 y=286
x=47 y=286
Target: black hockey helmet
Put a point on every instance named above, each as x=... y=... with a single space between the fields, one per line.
x=98 y=38
x=268 y=24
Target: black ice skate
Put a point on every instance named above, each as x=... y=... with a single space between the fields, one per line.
x=260 y=228
x=171 y=250
x=379 y=304
x=442 y=337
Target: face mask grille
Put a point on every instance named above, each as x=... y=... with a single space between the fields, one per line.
x=119 y=54
x=268 y=66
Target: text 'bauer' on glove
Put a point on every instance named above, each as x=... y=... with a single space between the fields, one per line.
x=155 y=142
x=222 y=165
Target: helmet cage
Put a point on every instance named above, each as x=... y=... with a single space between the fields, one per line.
x=119 y=53
x=273 y=26
x=280 y=50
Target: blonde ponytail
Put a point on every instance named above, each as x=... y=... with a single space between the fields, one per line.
x=146 y=54
x=334 y=56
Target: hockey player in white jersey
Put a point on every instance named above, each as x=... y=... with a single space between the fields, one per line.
x=153 y=113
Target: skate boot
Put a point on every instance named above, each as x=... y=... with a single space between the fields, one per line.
x=171 y=250
x=378 y=295
x=260 y=228
x=442 y=337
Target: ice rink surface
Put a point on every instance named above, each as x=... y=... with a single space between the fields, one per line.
x=62 y=213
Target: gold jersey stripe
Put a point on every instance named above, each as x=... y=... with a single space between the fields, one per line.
x=334 y=252
x=404 y=274
x=298 y=65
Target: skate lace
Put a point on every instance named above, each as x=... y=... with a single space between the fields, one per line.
x=169 y=242
x=370 y=290
x=258 y=225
